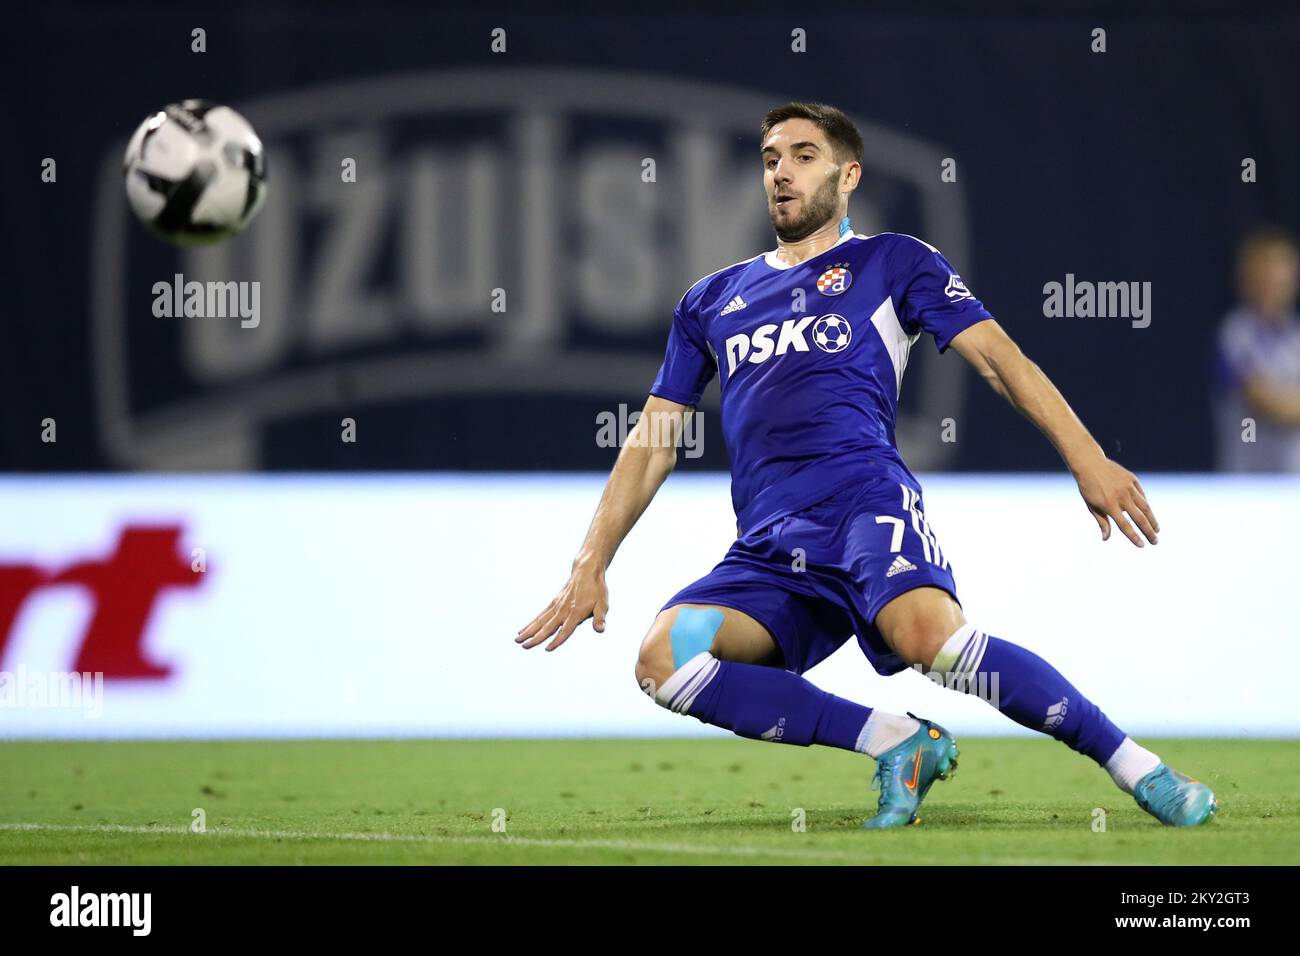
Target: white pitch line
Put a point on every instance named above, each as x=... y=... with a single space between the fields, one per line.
x=381 y=837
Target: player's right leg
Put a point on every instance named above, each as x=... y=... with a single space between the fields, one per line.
x=926 y=627
x=723 y=667
x=727 y=634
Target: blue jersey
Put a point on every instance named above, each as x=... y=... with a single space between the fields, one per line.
x=1251 y=347
x=811 y=359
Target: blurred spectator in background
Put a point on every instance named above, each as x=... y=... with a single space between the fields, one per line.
x=1257 y=360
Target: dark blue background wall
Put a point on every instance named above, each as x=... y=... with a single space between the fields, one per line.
x=1115 y=166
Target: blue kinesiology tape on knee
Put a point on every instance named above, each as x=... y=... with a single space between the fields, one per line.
x=693 y=632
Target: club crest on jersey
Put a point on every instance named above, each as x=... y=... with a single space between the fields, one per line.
x=834 y=280
x=956 y=289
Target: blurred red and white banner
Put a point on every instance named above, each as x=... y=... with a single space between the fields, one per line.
x=273 y=606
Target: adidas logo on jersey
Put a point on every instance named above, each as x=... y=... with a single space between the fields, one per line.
x=900 y=565
x=732 y=306
x=775 y=732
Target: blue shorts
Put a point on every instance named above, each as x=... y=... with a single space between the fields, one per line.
x=821 y=575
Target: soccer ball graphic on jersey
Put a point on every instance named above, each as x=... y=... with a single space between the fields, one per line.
x=195 y=173
x=832 y=333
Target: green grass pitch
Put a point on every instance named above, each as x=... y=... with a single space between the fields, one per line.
x=725 y=801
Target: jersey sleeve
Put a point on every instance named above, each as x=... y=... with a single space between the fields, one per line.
x=1225 y=366
x=688 y=362
x=1233 y=363
x=931 y=295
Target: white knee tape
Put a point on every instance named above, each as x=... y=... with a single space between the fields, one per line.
x=962 y=652
x=680 y=690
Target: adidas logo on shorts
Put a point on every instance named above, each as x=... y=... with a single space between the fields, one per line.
x=900 y=565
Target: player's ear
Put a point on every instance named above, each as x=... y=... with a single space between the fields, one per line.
x=850 y=176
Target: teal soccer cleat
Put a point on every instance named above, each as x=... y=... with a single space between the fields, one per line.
x=904 y=774
x=1175 y=799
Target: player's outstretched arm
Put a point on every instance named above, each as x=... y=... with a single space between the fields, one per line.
x=644 y=463
x=1279 y=403
x=1111 y=491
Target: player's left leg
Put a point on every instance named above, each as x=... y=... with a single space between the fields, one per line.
x=723 y=667
x=925 y=626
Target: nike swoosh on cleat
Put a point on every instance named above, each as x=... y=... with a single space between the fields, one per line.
x=916 y=772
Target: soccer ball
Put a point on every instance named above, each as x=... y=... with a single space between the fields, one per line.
x=195 y=173
x=832 y=333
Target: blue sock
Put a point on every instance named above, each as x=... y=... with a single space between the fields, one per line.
x=764 y=703
x=1027 y=689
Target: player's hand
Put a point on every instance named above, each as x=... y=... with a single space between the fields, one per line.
x=584 y=596
x=1111 y=491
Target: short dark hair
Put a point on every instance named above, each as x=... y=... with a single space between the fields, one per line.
x=1267 y=235
x=845 y=140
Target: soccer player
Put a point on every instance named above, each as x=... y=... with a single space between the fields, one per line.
x=810 y=340
x=1257 y=360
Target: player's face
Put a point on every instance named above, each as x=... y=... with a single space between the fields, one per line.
x=801 y=179
x=1270 y=278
